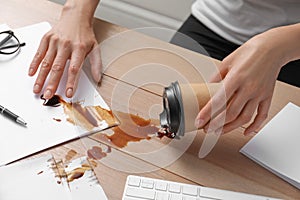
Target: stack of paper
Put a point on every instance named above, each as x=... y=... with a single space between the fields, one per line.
x=276 y=147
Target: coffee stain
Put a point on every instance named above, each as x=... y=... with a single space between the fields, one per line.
x=40 y=172
x=77 y=173
x=60 y=171
x=58 y=168
x=132 y=128
x=96 y=153
x=71 y=154
x=165 y=132
x=87 y=117
x=93 y=162
x=58 y=120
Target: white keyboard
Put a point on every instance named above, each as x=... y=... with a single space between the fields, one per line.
x=142 y=188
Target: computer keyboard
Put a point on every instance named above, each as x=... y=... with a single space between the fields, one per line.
x=143 y=188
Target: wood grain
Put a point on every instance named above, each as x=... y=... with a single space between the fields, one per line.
x=137 y=67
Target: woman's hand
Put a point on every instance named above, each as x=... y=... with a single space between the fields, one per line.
x=72 y=38
x=248 y=76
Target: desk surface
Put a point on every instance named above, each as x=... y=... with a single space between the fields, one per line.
x=223 y=168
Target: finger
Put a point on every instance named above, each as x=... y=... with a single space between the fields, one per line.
x=214 y=106
x=45 y=68
x=262 y=114
x=77 y=59
x=235 y=106
x=216 y=123
x=223 y=70
x=56 y=73
x=230 y=114
x=39 y=55
x=244 y=117
x=219 y=76
x=96 y=64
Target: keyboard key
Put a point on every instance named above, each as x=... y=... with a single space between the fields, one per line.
x=146 y=183
x=140 y=193
x=131 y=198
x=134 y=181
x=162 y=196
x=190 y=190
x=188 y=198
x=174 y=188
x=175 y=197
x=162 y=186
x=228 y=195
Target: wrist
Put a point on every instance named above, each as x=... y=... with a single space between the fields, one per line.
x=264 y=47
x=81 y=10
x=282 y=41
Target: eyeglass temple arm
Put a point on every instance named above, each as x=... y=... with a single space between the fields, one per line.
x=5 y=39
x=13 y=46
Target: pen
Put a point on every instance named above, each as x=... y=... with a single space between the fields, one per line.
x=11 y=115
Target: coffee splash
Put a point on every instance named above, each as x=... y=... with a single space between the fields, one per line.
x=59 y=168
x=77 y=173
x=97 y=153
x=70 y=155
x=87 y=117
x=132 y=128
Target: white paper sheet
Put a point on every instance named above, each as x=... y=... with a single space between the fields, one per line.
x=276 y=147
x=86 y=187
x=42 y=131
x=35 y=179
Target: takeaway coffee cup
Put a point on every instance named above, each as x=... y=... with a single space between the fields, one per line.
x=182 y=103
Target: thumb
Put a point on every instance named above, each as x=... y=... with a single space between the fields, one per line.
x=219 y=75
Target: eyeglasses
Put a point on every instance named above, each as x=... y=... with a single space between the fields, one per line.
x=9 y=43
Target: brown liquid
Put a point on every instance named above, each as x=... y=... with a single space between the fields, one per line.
x=71 y=154
x=55 y=101
x=60 y=172
x=88 y=117
x=77 y=173
x=93 y=162
x=132 y=128
x=58 y=120
x=40 y=172
x=165 y=132
x=96 y=153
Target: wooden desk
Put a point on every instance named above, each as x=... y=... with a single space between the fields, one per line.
x=223 y=168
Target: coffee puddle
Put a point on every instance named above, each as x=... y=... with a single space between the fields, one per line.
x=132 y=128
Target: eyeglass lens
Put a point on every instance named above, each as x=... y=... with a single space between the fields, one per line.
x=9 y=43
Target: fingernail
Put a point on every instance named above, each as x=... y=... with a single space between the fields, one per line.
x=199 y=123
x=251 y=133
x=69 y=92
x=30 y=71
x=36 y=88
x=47 y=94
